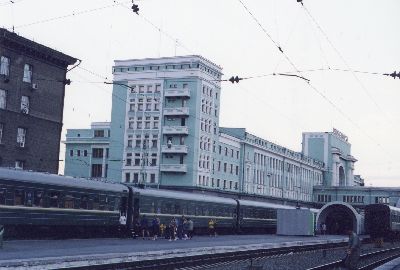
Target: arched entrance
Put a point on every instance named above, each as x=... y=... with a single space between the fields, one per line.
x=342 y=177
x=339 y=216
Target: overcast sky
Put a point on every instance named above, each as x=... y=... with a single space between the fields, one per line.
x=362 y=35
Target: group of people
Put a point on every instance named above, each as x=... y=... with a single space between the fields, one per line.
x=178 y=228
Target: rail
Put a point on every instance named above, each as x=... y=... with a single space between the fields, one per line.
x=369 y=255
x=205 y=259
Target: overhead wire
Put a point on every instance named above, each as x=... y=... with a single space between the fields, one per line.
x=69 y=15
x=345 y=62
x=308 y=81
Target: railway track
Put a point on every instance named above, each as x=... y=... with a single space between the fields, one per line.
x=208 y=261
x=368 y=261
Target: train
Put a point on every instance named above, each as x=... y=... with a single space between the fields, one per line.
x=382 y=221
x=61 y=206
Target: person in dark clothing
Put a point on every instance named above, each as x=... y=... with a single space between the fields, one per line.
x=144 y=226
x=353 y=250
x=155 y=224
x=180 y=222
x=172 y=230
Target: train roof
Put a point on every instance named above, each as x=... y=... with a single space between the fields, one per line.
x=58 y=180
x=265 y=204
x=184 y=196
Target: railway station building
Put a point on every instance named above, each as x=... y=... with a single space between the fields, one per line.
x=32 y=87
x=165 y=132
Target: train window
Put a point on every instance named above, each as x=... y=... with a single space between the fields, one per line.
x=177 y=209
x=29 y=198
x=38 y=198
x=3 y=196
x=54 y=199
x=84 y=202
x=96 y=204
x=69 y=202
x=19 y=197
x=116 y=204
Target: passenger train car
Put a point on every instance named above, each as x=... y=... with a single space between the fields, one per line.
x=382 y=220
x=63 y=206
x=29 y=200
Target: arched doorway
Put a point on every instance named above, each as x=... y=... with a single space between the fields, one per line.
x=339 y=216
x=342 y=177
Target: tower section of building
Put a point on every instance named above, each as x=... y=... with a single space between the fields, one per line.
x=164 y=120
x=334 y=149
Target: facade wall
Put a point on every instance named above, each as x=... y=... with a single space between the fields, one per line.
x=187 y=112
x=83 y=157
x=357 y=196
x=334 y=150
x=34 y=99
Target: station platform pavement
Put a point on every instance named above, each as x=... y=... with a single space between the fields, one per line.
x=50 y=254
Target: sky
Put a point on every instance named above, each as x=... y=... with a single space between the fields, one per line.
x=329 y=37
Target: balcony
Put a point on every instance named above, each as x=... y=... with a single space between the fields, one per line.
x=175 y=130
x=176 y=111
x=182 y=168
x=174 y=149
x=177 y=92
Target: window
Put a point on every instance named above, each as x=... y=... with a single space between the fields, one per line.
x=69 y=202
x=3 y=99
x=1 y=131
x=152 y=178
x=127 y=177
x=78 y=153
x=135 y=178
x=99 y=133
x=154 y=143
x=97 y=170
x=54 y=199
x=84 y=153
x=27 y=73
x=19 y=197
x=25 y=104
x=237 y=170
x=21 y=137
x=225 y=167
x=5 y=66
x=158 y=88
x=38 y=198
x=71 y=153
x=128 y=162
x=3 y=196
x=97 y=152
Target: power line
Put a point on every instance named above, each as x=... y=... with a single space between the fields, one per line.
x=344 y=61
x=68 y=15
x=268 y=35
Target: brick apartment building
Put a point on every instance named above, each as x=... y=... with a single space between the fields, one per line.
x=32 y=88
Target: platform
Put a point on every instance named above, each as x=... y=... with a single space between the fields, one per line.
x=50 y=254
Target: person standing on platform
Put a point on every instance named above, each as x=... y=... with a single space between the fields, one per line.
x=144 y=227
x=353 y=250
x=323 y=226
x=172 y=229
x=190 y=228
x=155 y=224
x=211 y=227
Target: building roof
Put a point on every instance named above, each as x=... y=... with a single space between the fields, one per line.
x=19 y=43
